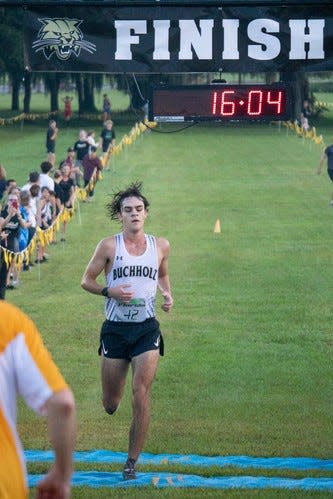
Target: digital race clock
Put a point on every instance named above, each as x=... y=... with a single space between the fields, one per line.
x=219 y=102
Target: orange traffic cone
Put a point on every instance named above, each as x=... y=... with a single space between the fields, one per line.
x=217 y=227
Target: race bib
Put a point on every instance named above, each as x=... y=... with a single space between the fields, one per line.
x=133 y=311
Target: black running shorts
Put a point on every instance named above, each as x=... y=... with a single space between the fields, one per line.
x=125 y=340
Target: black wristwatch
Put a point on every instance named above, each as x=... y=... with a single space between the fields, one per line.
x=105 y=292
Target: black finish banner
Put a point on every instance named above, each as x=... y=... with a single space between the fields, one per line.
x=178 y=39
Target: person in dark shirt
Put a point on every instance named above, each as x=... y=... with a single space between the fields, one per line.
x=10 y=222
x=91 y=167
x=108 y=136
x=81 y=147
x=51 y=137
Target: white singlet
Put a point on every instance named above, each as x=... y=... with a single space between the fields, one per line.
x=141 y=272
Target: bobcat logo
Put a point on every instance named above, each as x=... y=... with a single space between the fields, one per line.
x=61 y=37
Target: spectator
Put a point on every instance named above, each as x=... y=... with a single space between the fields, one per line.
x=91 y=167
x=91 y=139
x=3 y=184
x=106 y=107
x=81 y=147
x=28 y=214
x=108 y=136
x=304 y=123
x=3 y=267
x=58 y=191
x=34 y=211
x=28 y=370
x=10 y=183
x=67 y=189
x=3 y=244
x=45 y=179
x=47 y=208
x=68 y=108
x=306 y=109
x=10 y=222
x=33 y=179
x=24 y=211
x=75 y=172
x=47 y=215
x=35 y=202
x=51 y=137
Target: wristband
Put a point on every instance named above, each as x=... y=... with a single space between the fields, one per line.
x=104 y=292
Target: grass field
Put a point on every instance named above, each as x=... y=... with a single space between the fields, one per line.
x=248 y=365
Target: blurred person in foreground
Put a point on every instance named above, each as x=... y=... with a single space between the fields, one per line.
x=135 y=264
x=27 y=370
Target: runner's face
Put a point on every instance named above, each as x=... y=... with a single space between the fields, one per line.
x=133 y=213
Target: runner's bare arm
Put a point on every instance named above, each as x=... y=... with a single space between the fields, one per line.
x=101 y=260
x=163 y=274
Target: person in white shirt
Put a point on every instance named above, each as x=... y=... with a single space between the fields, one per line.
x=33 y=179
x=45 y=180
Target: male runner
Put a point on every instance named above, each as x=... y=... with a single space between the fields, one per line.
x=135 y=264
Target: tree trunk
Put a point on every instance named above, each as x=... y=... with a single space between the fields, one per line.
x=53 y=85
x=88 y=91
x=298 y=86
x=27 y=92
x=16 y=82
x=79 y=89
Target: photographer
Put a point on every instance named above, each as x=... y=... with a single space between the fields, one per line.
x=10 y=222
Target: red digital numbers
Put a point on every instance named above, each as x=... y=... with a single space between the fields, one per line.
x=254 y=103
x=221 y=102
x=278 y=103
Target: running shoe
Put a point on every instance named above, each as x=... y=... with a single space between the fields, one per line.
x=129 y=472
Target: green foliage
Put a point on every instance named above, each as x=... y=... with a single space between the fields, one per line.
x=248 y=368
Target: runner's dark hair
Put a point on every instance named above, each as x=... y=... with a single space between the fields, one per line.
x=133 y=190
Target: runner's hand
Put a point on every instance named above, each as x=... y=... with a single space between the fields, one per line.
x=168 y=301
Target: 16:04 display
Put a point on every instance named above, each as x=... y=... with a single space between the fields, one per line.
x=219 y=103
x=254 y=103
